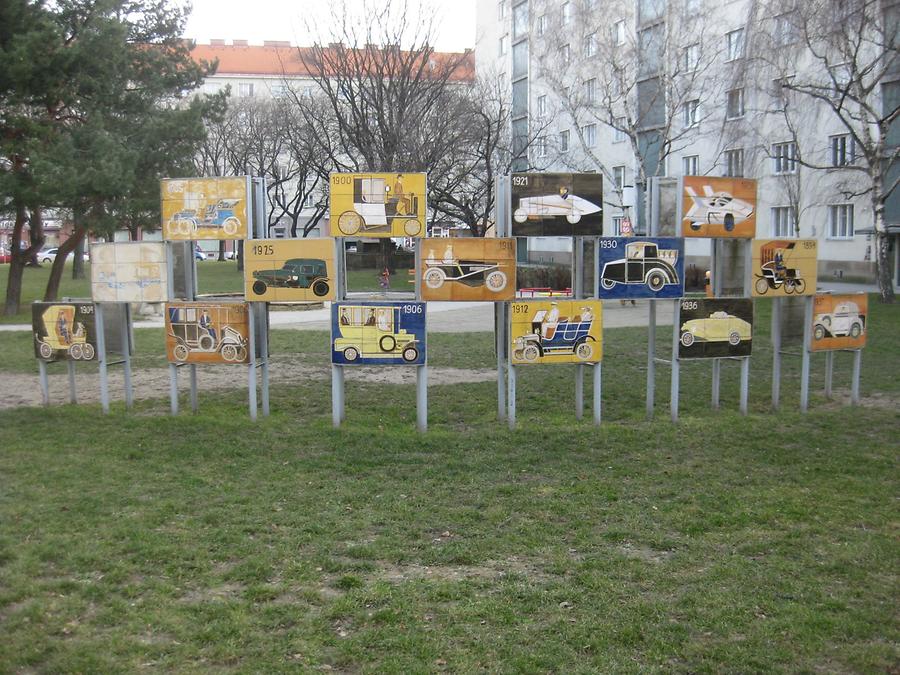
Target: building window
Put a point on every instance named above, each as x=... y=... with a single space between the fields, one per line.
x=617 y=225
x=618 y=31
x=734 y=162
x=690 y=165
x=619 y=130
x=520 y=20
x=542 y=24
x=782 y=221
x=843 y=150
x=690 y=112
x=564 y=54
x=279 y=90
x=590 y=45
x=786 y=29
x=566 y=12
x=542 y=105
x=590 y=90
x=618 y=173
x=734 y=105
x=564 y=141
x=840 y=221
x=245 y=89
x=690 y=58
x=784 y=158
x=503 y=45
x=501 y=9
x=734 y=44
x=589 y=132
x=541 y=146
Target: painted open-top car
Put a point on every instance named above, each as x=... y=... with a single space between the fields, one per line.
x=555 y=334
x=719 y=327
x=469 y=272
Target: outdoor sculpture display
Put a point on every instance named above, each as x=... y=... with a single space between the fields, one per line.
x=783 y=267
x=377 y=204
x=565 y=331
x=378 y=333
x=715 y=328
x=839 y=321
x=64 y=331
x=289 y=270
x=718 y=207
x=641 y=267
x=557 y=204
x=207 y=332
x=468 y=269
x=129 y=272
x=205 y=208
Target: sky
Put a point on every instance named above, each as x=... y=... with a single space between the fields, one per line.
x=258 y=20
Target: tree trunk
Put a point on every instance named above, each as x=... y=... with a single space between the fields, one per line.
x=883 y=267
x=221 y=250
x=21 y=257
x=78 y=262
x=69 y=245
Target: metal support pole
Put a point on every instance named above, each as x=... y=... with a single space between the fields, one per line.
x=337 y=395
x=651 y=358
x=422 y=398
x=173 y=388
x=101 y=356
x=126 y=356
x=857 y=367
x=251 y=369
x=502 y=206
x=804 y=369
x=776 y=352
x=829 y=373
x=598 y=396
x=192 y=372
x=745 y=385
x=578 y=292
x=676 y=365
x=717 y=292
x=511 y=396
x=73 y=393
x=716 y=380
x=579 y=391
x=45 y=382
x=264 y=354
x=500 y=347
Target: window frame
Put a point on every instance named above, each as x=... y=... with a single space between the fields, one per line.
x=589 y=134
x=846 y=152
x=741 y=104
x=734 y=45
x=847 y=208
x=693 y=160
x=779 y=226
x=689 y=116
x=731 y=155
x=779 y=159
x=564 y=140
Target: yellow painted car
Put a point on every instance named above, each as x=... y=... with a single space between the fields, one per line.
x=719 y=327
x=370 y=332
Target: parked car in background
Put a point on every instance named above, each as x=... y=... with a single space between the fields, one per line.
x=49 y=255
x=5 y=255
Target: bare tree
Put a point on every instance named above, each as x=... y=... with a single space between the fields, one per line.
x=839 y=55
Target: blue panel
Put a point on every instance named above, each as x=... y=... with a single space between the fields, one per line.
x=641 y=267
x=378 y=333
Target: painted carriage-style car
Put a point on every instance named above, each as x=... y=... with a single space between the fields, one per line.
x=220 y=214
x=375 y=332
x=59 y=333
x=207 y=333
x=774 y=272
x=485 y=273
x=555 y=334
x=378 y=206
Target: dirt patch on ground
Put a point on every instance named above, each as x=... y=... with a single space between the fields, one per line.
x=843 y=398
x=644 y=553
x=153 y=383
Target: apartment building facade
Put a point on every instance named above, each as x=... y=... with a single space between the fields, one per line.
x=641 y=89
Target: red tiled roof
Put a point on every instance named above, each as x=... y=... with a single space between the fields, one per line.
x=284 y=60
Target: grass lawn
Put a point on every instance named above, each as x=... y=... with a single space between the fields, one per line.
x=205 y=542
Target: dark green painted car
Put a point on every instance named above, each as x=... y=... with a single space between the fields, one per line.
x=295 y=273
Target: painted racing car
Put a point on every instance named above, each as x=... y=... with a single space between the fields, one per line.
x=563 y=204
x=716 y=208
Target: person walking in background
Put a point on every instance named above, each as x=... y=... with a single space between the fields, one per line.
x=384 y=280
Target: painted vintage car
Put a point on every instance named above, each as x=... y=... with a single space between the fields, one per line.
x=719 y=327
x=376 y=206
x=469 y=272
x=562 y=204
x=716 y=208
x=204 y=330
x=844 y=321
x=644 y=263
x=372 y=331
x=221 y=214
x=61 y=333
x=553 y=334
x=295 y=273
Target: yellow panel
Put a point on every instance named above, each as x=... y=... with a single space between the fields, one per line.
x=205 y=208
x=377 y=204
x=468 y=269
x=289 y=270
x=783 y=267
x=550 y=331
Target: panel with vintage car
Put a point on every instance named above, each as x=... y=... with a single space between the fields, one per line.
x=289 y=270
x=718 y=207
x=715 y=328
x=129 y=271
x=64 y=331
x=468 y=269
x=563 y=331
x=641 y=267
x=557 y=204
x=839 y=321
x=783 y=267
x=377 y=204
x=207 y=332
x=205 y=208
x=378 y=333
